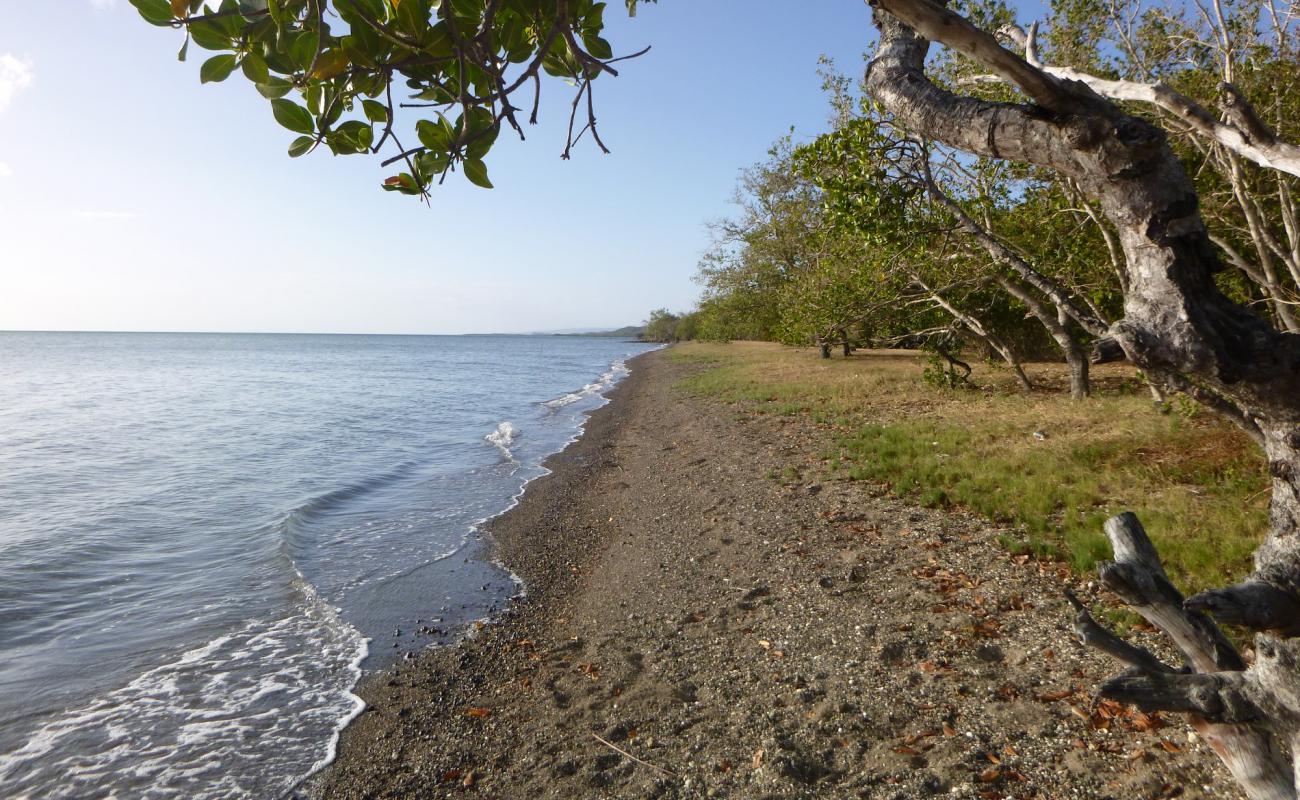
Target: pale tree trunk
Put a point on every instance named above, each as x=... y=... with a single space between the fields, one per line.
x=1176 y=322
x=1057 y=326
x=982 y=332
x=1240 y=134
x=1075 y=358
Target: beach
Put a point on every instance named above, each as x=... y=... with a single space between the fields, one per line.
x=694 y=627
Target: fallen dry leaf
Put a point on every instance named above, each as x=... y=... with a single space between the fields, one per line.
x=478 y=712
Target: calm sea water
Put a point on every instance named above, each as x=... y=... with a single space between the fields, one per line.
x=204 y=539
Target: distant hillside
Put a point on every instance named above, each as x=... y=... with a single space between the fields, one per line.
x=628 y=332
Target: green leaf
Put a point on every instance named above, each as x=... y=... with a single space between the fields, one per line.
x=432 y=135
x=476 y=171
x=274 y=88
x=185 y=49
x=208 y=36
x=292 y=116
x=255 y=68
x=217 y=69
x=301 y=146
x=357 y=134
x=155 y=12
x=302 y=50
x=375 y=110
x=598 y=47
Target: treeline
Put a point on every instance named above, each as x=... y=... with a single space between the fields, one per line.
x=871 y=236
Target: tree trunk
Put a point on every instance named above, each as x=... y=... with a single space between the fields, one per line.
x=1057 y=325
x=990 y=339
x=1176 y=322
x=848 y=348
x=825 y=346
x=1075 y=358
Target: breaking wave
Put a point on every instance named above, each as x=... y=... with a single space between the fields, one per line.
x=196 y=727
x=617 y=371
x=503 y=437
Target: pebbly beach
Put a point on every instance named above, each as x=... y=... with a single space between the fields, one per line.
x=692 y=628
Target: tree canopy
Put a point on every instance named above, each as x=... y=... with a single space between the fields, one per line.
x=339 y=73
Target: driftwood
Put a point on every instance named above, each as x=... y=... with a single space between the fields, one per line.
x=1214 y=688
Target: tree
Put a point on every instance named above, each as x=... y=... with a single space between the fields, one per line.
x=1177 y=323
x=353 y=64
x=661 y=327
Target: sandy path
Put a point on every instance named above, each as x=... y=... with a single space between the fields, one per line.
x=752 y=639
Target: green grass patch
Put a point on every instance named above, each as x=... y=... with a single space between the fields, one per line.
x=1198 y=485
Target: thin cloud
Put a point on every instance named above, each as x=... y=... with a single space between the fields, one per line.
x=114 y=216
x=16 y=74
x=5 y=170
x=103 y=4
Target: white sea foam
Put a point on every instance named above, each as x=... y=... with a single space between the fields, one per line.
x=617 y=371
x=158 y=736
x=504 y=436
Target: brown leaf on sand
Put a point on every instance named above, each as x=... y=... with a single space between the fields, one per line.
x=1052 y=697
x=478 y=712
x=904 y=750
x=989 y=775
x=757 y=760
x=949 y=730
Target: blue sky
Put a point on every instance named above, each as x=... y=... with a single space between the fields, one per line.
x=133 y=198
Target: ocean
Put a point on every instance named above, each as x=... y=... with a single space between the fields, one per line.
x=207 y=539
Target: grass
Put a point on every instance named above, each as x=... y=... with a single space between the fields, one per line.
x=1198 y=484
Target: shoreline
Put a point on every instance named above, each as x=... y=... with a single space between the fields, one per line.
x=692 y=627
x=539 y=574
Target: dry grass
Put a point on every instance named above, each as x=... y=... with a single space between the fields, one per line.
x=1196 y=482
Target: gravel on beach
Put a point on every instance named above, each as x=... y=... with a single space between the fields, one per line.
x=701 y=621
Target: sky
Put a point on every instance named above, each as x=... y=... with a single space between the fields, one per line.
x=134 y=198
